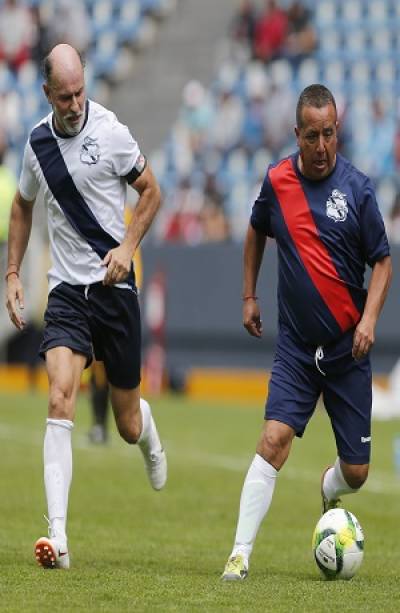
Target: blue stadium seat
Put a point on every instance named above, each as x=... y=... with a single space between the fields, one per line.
x=334 y=73
x=102 y=16
x=104 y=54
x=352 y=12
x=308 y=72
x=7 y=79
x=129 y=21
x=28 y=78
x=281 y=72
x=378 y=12
x=325 y=13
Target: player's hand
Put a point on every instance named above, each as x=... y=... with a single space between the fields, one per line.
x=15 y=301
x=118 y=262
x=363 y=339
x=251 y=318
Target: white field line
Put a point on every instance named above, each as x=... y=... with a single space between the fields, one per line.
x=379 y=482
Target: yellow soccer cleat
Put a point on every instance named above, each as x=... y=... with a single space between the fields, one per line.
x=236 y=568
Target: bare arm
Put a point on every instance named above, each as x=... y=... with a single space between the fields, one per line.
x=364 y=335
x=18 y=237
x=253 y=254
x=118 y=260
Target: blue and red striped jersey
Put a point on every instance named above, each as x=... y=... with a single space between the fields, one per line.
x=326 y=232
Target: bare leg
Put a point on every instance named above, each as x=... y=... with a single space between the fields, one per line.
x=99 y=398
x=135 y=424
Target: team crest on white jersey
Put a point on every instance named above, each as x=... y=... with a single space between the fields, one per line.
x=336 y=206
x=90 y=151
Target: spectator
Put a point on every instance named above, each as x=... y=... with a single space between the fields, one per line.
x=17 y=34
x=257 y=90
x=243 y=24
x=278 y=118
x=69 y=23
x=183 y=224
x=301 y=39
x=270 y=33
x=228 y=120
x=215 y=225
x=196 y=115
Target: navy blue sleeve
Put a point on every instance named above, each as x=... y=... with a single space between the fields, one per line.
x=374 y=241
x=260 y=215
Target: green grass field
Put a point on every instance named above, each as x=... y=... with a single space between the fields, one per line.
x=133 y=549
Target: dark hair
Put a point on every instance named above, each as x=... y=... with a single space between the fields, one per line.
x=47 y=66
x=315 y=95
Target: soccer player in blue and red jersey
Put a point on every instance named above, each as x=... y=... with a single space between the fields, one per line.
x=323 y=214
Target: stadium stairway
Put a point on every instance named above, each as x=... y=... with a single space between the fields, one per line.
x=186 y=48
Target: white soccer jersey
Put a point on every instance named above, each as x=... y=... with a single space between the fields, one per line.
x=85 y=180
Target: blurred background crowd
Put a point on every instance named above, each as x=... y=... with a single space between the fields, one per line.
x=226 y=135
x=226 y=132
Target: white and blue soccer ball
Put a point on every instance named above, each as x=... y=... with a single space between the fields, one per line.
x=338 y=544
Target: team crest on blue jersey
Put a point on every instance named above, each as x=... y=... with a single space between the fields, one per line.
x=336 y=206
x=90 y=151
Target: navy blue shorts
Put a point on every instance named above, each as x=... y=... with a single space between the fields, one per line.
x=98 y=319
x=346 y=387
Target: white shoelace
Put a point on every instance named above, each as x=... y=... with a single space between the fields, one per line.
x=48 y=525
x=319 y=355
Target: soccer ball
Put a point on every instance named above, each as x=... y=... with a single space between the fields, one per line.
x=338 y=544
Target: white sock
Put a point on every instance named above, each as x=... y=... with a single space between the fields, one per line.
x=148 y=440
x=335 y=484
x=255 y=501
x=57 y=458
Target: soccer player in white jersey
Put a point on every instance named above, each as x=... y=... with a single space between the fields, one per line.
x=83 y=158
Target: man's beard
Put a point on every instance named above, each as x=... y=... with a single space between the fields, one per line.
x=67 y=127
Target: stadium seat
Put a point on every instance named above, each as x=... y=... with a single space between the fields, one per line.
x=334 y=73
x=386 y=193
x=325 y=13
x=105 y=54
x=352 y=12
x=28 y=77
x=281 y=72
x=102 y=16
x=7 y=79
x=381 y=41
x=360 y=73
x=129 y=21
x=377 y=11
x=355 y=41
x=260 y=162
x=158 y=8
x=385 y=72
x=308 y=72
x=237 y=165
x=238 y=208
x=330 y=43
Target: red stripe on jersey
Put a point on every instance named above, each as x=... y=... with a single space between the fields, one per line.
x=312 y=251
